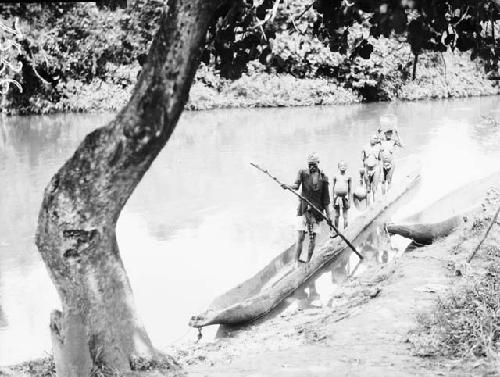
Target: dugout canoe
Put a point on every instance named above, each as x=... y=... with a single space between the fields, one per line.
x=261 y=293
x=426 y=233
x=442 y=217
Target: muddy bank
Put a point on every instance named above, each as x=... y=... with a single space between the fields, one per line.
x=369 y=330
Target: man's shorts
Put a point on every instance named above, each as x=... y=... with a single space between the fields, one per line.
x=337 y=201
x=388 y=170
x=302 y=224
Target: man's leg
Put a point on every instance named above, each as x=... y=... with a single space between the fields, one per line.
x=368 y=188
x=389 y=175
x=300 y=241
x=312 y=243
x=371 y=189
x=375 y=182
x=344 y=215
x=356 y=202
x=336 y=215
x=384 y=180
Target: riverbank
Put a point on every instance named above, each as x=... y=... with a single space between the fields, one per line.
x=440 y=76
x=384 y=323
x=73 y=66
x=446 y=75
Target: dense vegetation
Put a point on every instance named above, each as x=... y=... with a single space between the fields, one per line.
x=78 y=56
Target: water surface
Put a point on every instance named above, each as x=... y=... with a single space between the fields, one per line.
x=203 y=220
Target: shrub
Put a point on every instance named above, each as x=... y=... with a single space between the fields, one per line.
x=464 y=324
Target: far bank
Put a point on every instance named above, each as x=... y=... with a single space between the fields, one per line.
x=440 y=76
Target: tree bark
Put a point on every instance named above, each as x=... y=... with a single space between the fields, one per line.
x=415 y=61
x=99 y=327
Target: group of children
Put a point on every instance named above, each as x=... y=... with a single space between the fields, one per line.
x=378 y=168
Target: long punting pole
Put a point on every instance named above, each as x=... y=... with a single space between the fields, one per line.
x=328 y=221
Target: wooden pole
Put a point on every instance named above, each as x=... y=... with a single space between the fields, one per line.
x=493 y=221
x=328 y=221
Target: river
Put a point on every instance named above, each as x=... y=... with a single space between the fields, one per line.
x=203 y=220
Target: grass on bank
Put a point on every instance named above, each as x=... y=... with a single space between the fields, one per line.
x=44 y=367
x=465 y=322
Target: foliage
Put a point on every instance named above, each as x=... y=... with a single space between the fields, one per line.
x=245 y=30
x=466 y=323
x=36 y=368
x=73 y=50
x=261 y=89
x=159 y=362
x=9 y=50
x=68 y=42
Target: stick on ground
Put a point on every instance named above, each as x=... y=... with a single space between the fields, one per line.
x=493 y=221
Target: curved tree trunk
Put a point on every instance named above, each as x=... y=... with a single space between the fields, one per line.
x=98 y=326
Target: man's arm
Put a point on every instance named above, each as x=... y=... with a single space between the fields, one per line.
x=333 y=186
x=349 y=191
x=327 y=212
x=326 y=198
x=296 y=184
x=398 y=141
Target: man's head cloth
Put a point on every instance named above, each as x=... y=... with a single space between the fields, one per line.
x=313 y=159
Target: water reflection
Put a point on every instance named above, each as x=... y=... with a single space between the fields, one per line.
x=308 y=296
x=374 y=244
x=3 y=320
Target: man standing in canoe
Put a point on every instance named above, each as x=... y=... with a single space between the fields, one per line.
x=341 y=193
x=314 y=185
x=388 y=124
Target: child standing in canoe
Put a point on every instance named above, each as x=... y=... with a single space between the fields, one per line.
x=341 y=193
x=359 y=194
x=371 y=159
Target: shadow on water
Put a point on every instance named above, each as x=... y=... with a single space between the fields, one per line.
x=413 y=246
x=3 y=319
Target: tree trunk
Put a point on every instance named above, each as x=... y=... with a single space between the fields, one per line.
x=99 y=327
x=415 y=61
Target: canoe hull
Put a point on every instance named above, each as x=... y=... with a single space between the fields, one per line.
x=442 y=217
x=426 y=233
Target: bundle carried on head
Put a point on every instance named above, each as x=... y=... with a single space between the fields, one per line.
x=388 y=122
